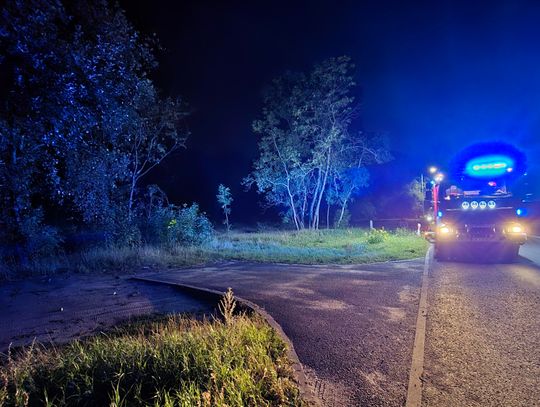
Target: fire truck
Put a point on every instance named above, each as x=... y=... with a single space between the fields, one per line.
x=477 y=209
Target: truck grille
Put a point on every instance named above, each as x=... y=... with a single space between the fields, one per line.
x=481 y=232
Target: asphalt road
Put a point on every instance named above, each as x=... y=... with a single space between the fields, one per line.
x=63 y=308
x=352 y=326
x=483 y=333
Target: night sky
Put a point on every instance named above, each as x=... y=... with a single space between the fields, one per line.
x=435 y=76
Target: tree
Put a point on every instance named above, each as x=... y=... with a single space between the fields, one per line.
x=225 y=199
x=80 y=121
x=415 y=191
x=306 y=151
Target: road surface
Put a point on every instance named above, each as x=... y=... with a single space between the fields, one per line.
x=65 y=307
x=483 y=333
x=352 y=326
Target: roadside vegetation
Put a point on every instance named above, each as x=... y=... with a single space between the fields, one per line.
x=339 y=246
x=334 y=246
x=173 y=361
x=74 y=164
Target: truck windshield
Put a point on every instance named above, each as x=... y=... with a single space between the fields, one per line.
x=473 y=188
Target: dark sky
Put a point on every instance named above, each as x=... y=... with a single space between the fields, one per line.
x=434 y=75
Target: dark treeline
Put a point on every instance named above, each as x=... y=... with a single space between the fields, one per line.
x=81 y=123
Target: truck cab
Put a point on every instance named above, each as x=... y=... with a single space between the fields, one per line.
x=477 y=213
x=473 y=222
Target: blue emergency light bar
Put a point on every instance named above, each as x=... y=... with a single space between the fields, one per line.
x=489 y=166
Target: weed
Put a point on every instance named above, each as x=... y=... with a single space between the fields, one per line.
x=168 y=362
x=377 y=236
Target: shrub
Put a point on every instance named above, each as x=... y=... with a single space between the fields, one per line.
x=174 y=225
x=172 y=362
x=377 y=236
x=189 y=226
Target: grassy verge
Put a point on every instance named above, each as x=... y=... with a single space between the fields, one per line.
x=319 y=247
x=172 y=362
x=350 y=246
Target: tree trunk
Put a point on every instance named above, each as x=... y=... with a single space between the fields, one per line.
x=131 y=196
x=321 y=193
x=342 y=213
x=313 y=200
x=293 y=207
x=327 y=215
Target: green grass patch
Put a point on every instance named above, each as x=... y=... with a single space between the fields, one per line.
x=334 y=246
x=171 y=362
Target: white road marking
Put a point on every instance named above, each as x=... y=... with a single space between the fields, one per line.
x=414 y=392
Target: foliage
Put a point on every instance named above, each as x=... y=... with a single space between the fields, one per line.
x=189 y=226
x=307 y=155
x=227 y=306
x=338 y=246
x=415 y=190
x=162 y=223
x=80 y=121
x=225 y=199
x=377 y=236
x=176 y=361
x=342 y=218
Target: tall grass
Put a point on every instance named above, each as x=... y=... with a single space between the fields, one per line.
x=336 y=246
x=173 y=362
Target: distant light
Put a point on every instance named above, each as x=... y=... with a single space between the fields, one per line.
x=521 y=212
x=492 y=204
x=429 y=218
x=432 y=170
x=440 y=214
x=492 y=183
x=465 y=205
x=510 y=169
x=439 y=177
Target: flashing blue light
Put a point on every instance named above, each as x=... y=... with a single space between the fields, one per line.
x=521 y=212
x=439 y=214
x=488 y=166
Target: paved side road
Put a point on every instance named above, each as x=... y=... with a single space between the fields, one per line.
x=352 y=326
x=483 y=336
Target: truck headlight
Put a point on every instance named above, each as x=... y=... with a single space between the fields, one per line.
x=515 y=228
x=445 y=230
